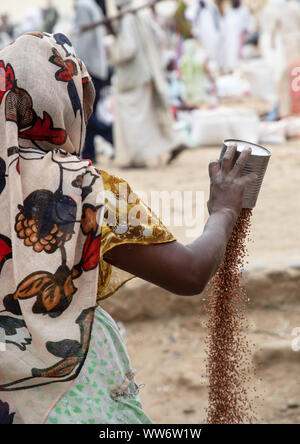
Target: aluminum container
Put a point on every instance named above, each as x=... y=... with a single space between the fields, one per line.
x=257 y=163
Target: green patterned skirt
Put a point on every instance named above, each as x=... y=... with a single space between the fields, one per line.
x=105 y=391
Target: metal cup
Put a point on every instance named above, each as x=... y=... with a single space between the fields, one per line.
x=257 y=163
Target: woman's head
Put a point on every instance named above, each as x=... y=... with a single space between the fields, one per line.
x=236 y=3
x=120 y=4
x=47 y=91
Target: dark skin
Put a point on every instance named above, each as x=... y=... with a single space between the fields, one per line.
x=235 y=3
x=186 y=269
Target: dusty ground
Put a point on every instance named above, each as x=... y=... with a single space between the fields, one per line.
x=275 y=232
x=169 y=357
x=165 y=337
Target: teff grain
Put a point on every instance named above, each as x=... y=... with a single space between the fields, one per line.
x=228 y=365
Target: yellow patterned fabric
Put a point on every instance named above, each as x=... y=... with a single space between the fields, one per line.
x=128 y=208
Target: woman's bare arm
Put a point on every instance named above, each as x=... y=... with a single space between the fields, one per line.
x=185 y=270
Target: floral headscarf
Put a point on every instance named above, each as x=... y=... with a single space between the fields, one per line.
x=51 y=207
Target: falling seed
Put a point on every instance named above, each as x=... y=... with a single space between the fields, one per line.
x=228 y=362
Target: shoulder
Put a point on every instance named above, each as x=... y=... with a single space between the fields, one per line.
x=115 y=184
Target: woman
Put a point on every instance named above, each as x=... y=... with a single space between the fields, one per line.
x=236 y=21
x=90 y=48
x=205 y=18
x=143 y=124
x=63 y=232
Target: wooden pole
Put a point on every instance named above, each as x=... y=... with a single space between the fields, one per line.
x=107 y=21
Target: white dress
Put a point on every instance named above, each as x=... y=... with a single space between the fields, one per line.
x=206 y=31
x=143 y=123
x=235 y=22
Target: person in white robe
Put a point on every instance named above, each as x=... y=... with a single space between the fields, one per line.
x=280 y=45
x=205 y=18
x=236 y=21
x=143 y=128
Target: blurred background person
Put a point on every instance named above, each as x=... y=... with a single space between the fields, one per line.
x=205 y=18
x=5 y=25
x=182 y=25
x=195 y=74
x=237 y=23
x=6 y=30
x=280 y=47
x=221 y=6
x=89 y=45
x=143 y=122
x=50 y=17
x=33 y=21
x=181 y=29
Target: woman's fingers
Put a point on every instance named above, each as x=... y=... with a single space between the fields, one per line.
x=228 y=158
x=241 y=162
x=213 y=168
x=248 y=179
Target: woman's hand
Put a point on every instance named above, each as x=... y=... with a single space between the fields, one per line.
x=227 y=185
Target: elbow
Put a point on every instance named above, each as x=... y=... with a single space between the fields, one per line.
x=191 y=287
x=193 y=279
x=196 y=288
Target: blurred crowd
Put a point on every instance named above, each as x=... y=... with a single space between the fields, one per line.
x=163 y=74
x=34 y=19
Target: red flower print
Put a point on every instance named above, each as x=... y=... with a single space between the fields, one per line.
x=43 y=130
x=5 y=250
x=7 y=78
x=68 y=67
x=91 y=252
x=72 y=68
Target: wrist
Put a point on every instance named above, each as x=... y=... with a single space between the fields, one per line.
x=225 y=218
x=228 y=213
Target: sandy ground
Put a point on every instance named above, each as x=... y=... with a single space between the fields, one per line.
x=275 y=235
x=171 y=363
x=168 y=353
